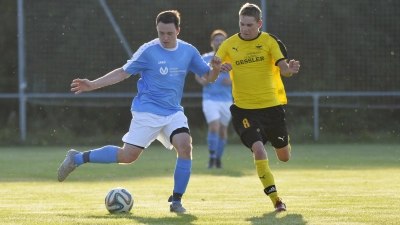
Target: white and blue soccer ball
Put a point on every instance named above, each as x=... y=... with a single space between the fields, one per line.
x=119 y=200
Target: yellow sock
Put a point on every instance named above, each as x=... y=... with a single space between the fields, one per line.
x=267 y=179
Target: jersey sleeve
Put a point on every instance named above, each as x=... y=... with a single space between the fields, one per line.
x=278 y=49
x=206 y=57
x=198 y=65
x=137 y=63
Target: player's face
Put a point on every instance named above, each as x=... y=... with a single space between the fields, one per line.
x=249 y=27
x=168 y=34
x=217 y=41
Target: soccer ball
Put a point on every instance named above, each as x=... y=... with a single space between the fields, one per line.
x=119 y=200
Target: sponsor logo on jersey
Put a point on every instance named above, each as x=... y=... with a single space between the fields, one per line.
x=164 y=70
x=250 y=60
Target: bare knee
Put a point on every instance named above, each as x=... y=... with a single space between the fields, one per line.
x=184 y=151
x=259 y=151
x=283 y=154
x=128 y=154
x=223 y=132
x=213 y=127
x=283 y=158
x=182 y=142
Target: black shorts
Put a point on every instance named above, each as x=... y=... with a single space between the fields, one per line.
x=267 y=124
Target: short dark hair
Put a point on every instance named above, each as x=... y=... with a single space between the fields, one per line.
x=253 y=10
x=170 y=16
x=218 y=32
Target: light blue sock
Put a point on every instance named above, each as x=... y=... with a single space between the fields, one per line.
x=181 y=176
x=221 y=148
x=212 y=141
x=106 y=154
x=78 y=158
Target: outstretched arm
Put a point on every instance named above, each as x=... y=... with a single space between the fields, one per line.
x=217 y=67
x=200 y=80
x=287 y=69
x=81 y=85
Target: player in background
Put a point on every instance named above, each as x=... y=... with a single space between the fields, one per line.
x=258 y=60
x=217 y=98
x=156 y=110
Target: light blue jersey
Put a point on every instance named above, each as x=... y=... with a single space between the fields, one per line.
x=217 y=91
x=163 y=75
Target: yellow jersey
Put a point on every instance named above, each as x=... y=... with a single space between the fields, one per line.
x=256 y=79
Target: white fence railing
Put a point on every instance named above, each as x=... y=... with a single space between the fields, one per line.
x=23 y=97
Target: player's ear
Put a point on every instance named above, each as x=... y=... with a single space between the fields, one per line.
x=260 y=24
x=178 y=30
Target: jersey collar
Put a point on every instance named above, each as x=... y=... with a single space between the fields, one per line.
x=259 y=33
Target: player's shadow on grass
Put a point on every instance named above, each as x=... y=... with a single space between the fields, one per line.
x=180 y=218
x=278 y=218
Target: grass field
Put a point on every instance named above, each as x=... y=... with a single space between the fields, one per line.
x=322 y=184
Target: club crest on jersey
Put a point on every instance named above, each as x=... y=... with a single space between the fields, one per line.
x=164 y=70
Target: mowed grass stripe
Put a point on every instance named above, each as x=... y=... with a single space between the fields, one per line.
x=320 y=185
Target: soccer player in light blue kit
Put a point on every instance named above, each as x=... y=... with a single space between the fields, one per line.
x=217 y=99
x=157 y=112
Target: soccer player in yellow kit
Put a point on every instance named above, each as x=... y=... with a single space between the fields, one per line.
x=258 y=60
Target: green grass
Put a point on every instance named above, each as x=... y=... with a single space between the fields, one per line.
x=322 y=184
